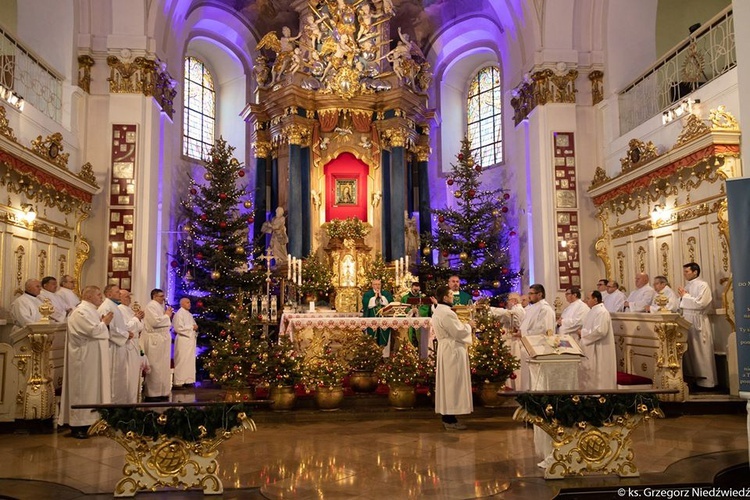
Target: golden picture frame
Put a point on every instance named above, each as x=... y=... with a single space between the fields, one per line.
x=346 y=192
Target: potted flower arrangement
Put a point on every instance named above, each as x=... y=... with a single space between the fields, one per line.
x=363 y=355
x=402 y=371
x=350 y=228
x=325 y=374
x=281 y=370
x=490 y=358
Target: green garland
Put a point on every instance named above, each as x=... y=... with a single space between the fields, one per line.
x=570 y=410
x=184 y=423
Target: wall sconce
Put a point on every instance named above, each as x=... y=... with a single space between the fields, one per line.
x=679 y=110
x=29 y=214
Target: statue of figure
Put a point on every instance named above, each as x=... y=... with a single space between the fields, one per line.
x=365 y=21
x=284 y=49
x=260 y=70
x=400 y=58
x=276 y=227
x=412 y=236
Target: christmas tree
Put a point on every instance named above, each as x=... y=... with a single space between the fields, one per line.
x=212 y=258
x=489 y=356
x=472 y=239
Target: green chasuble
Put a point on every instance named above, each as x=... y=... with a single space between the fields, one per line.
x=461 y=299
x=381 y=335
x=424 y=311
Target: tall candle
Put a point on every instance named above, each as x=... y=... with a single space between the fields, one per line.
x=288 y=266
x=294 y=270
x=407 y=264
x=299 y=273
x=397 y=273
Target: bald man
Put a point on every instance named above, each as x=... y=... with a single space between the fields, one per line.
x=185 y=331
x=25 y=309
x=640 y=299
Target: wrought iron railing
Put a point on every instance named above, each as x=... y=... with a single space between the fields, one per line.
x=25 y=74
x=706 y=54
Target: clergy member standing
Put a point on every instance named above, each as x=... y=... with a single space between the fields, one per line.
x=598 y=370
x=640 y=299
x=65 y=290
x=86 y=374
x=460 y=298
x=49 y=287
x=118 y=338
x=662 y=289
x=185 y=329
x=452 y=371
x=373 y=301
x=539 y=320
x=25 y=309
x=571 y=320
x=695 y=302
x=158 y=346
x=136 y=360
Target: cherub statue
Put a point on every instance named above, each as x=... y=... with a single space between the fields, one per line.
x=365 y=142
x=365 y=18
x=324 y=141
x=284 y=49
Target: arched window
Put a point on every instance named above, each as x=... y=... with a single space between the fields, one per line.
x=200 y=110
x=484 y=116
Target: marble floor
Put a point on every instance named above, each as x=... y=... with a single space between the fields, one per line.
x=392 y=455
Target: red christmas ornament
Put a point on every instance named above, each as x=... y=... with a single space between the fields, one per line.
x=222 y=196
x=506 y=196
x=505 y=270
x=250 y=220
x=478 y=168
x=204 y=217
x=236 y=368
x=512 y=376
x=222 y=224
x=441 y=219
x=236 y=345
x=220 y=248
x=193 y=191
x=445 y=253
x=241 y=173
x=199 y=305
x=504 y=210
x=475 y=293
x=512 y=233
x=482 y=244
x=460 y=156
x=450 y=182
x=429 y=276
x=472 y=193
x=199 y=256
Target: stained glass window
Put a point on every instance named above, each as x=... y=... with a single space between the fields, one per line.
x=484 y=116
x=199 y=110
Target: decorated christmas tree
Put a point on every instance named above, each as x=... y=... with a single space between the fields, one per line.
x=212 y=258
x=471 y=239
x=489 y=356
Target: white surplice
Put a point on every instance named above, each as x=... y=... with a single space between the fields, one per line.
x=572 y=318
x=86 y=374
x=70 y=299
x=598 y=370
x=699 y=359
x=118 y=338
x=24 y=310
x=511 y=320
x=133 y=351
x=183 y=325
x=539 y=319
x=614 y=302
x=158 y=346
x=58 y=304
x=452 y=374
x=673 y=303
x=640 y=299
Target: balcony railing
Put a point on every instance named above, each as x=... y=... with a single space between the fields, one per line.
x=708 y=53
x=23 y=72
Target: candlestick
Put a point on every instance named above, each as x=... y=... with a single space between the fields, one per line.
x=294 y=269
x=407 y=264
x=299 y=274
x=288 y=266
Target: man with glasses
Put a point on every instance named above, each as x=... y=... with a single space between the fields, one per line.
x=615 y=299
x=158 y=346
x=539 y=320
x=67 y=285
x=571 y=320
x=601 y=287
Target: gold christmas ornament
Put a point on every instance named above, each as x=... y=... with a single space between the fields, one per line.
x=233 y=162
x=463 y=256
x=162 y=419
x=187 y=227
x=576 y=399
x=549 y=410
x=602 y=400
x=208 y=176
x=457 y=194
x=248 y=204
x=239 y=250
x=496 y=284
x=426 y=251
x=215 y=275
x=202 y=431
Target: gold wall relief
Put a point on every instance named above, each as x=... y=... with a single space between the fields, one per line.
x=597 y=87
x=131 y=77
x=51 y=149
x=694 y=128
x=62 y=265
x=396 y=137
x=296 y=134
x=621 y=267
x=422 y=152
x=42 y=263
x=602 y=243
x=723 y=217
x=85 y=62
x=641 y=253
x=20 y=258
x=5 y=127
x=542 y=87
x=691 y=241
x=639 y=153
x=665 y=258
x=262 y=149
x=723 y=120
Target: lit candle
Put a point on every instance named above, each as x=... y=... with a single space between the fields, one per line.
x=294 y=270
x=407 y=264
x=396 y=272
x=312 y=306
x=299 y=274
x=288 y=266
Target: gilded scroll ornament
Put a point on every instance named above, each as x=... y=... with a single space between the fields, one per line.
x=422 y=152
x=397 y=137
x=723 y=120
x=600 y=177
x=51 y=149
x=638 y=154
x=597 y=86
x=85 y=62
x=665 y=258
x=136 y=77
x=87 y=174
x=641 y=259
x=602 y=243
x=262 y=149
x=691 y=242
x=694 y=128
x=542 y=87
x=5 y=127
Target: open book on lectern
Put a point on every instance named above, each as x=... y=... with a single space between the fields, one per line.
x=552 y=345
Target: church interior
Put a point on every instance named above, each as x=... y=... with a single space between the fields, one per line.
x=298 y=150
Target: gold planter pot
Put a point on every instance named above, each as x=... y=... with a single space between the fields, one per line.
x=283 y=397
x=363 y=381
x=402 y=396
x=239 y=395
x=488 y=394
x=329 y=398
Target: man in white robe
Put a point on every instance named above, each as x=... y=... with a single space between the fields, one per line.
x=512 y=317
x=65 y=290
x=539 y=320
x=86 y=374
x=662 y=288
x=695 y=302
x=49 y=287
x=615 y=299
x=25 y=309
x=118 y=339
x=135 y=358
x=640 y=299
x=452 y=372
x=185 y=329
x=598 y=370
x=571 y=320
x=158 y=347
x=601 y=286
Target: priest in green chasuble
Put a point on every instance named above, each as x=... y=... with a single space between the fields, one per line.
x=415 y=297
x=373 y=301
x=460 y=298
